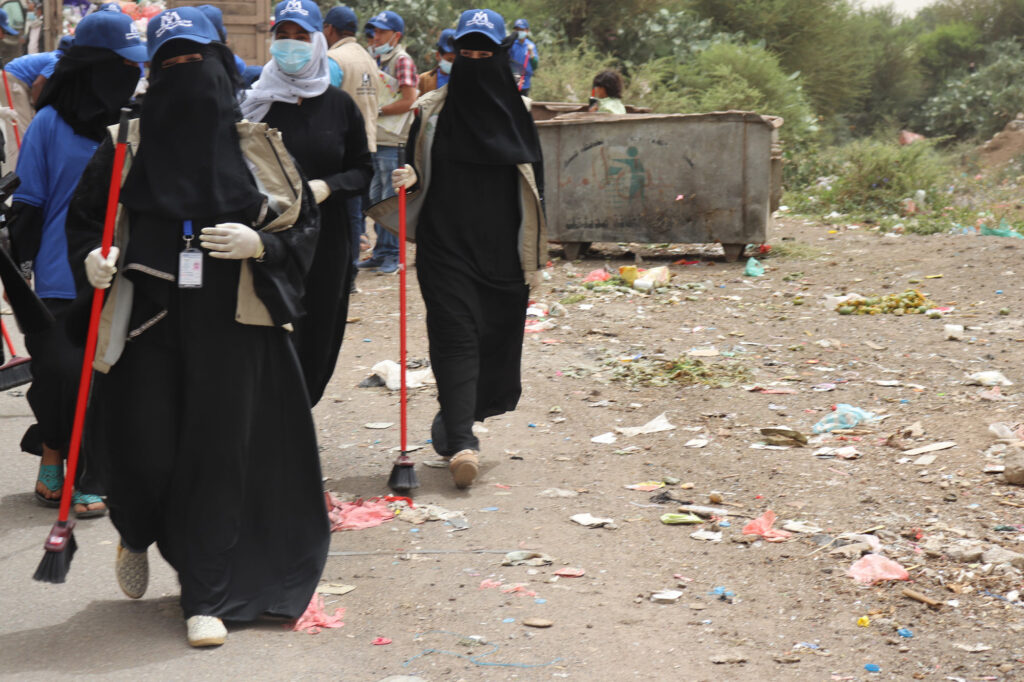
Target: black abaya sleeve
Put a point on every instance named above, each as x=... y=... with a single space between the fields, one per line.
x=87 y=211
x=358 y=162
x=410 y=148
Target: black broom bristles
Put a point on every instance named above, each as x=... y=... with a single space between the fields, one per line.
x=15 y=372
x=60 y=550
x=403 y=475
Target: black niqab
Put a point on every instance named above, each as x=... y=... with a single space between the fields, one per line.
x=484 y=120
x=189 y=163
x=88 y=88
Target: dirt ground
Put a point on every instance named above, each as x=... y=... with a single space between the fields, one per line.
x=749 y=609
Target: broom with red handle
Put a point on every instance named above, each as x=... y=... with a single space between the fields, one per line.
x=403 y=474
x=60 y=543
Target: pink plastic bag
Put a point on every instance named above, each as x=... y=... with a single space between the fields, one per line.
x=599 y=275
x=315 y=617
x=357 y=515
x=763 y=526
x=875 y=568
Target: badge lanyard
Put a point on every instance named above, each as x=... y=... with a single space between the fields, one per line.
x=190 y=262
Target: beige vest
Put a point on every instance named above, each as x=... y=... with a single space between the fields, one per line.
x=532 y=227
x=276 y=178
x=392 y=130
x=360 y=81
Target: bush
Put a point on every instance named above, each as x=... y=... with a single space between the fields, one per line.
x=871 y=178
x=979 y=104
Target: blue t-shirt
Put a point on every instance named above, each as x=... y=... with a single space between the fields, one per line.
x=31 y=66
x=442 y=78
x=50 y=164
x=517 y=55
x=240 y=64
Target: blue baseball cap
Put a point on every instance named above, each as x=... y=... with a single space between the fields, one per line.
x=216 y=17
x=342 y=18
x=303 y=12
x=110 y=7
x=4 y=25
x=185 y=23
x=65 y=43
x=388 y=21
x=446 y=43
x=113 y=31
x=522 y=23
x=484 y=21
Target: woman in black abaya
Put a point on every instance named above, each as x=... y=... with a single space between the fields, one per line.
x=213 y=454
x=479 y=235
x=324 y=131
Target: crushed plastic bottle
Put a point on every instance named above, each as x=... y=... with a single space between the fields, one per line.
x=843 y=416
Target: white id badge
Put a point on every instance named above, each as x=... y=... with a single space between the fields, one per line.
x=190 y=269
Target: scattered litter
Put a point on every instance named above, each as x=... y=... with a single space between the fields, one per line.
x=647 y=486
x=390 y=372
x=526 y=558
x=954 y=332
x=359 y=514
x=381 y=641
x=753 y=268
x=707 y=535
x=472 y=641
x=538 y=622
x=706 y=512
x=728 y=658
x=599 y=275
x=783 y=435
x=696 y=443
x=989 y=378
x=316 y=618
x=872 y=667
x=905 y=633
x=933 y=447
x=843 y=416
x=863 y=622
x=659 y=423
x=431 y=512
x=875 y=568
x=676 y=519
x=655 y=277
x=801 y=527
x=336 y=589
x=973 y=648
x=606 y=438
x=666 y=596
x=379 y=425
x=591 y=521
x=763 y=526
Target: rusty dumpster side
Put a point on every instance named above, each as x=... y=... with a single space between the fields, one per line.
x=655 y=178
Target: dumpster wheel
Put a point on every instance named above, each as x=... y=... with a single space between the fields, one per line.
x=574 y=250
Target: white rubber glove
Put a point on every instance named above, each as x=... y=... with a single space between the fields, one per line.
x=406 y=175
x=320 y=190
x=99 y=270
x=234 y=241
x=8 y=114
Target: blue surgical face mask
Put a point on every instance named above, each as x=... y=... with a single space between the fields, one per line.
x=446 y=66
x=523 y=34
x=380 y=50
x=291 y=55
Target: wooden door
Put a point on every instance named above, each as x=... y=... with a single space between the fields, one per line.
x=247 y=23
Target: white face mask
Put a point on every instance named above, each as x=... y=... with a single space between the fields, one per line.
x=383 y=49
x=523 y=34
x=446 y=66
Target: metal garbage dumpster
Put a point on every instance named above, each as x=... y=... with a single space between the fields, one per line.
x=659 y=178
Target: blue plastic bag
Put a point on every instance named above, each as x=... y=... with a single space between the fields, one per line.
x=843 y=417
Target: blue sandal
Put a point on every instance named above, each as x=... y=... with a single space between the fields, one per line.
x=51 y=476
x=85 y=499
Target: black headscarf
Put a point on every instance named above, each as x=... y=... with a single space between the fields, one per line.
x=88 y=88
x=484 y=120
x=189 y=164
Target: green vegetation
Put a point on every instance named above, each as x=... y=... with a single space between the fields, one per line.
x=683 y=371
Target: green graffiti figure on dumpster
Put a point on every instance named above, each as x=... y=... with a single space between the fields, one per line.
x=632 y=170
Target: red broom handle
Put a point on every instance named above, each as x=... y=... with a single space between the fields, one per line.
x=401 y=302
x=522 y=76
x=7 y=338
x=10 y=105
x=113 y=196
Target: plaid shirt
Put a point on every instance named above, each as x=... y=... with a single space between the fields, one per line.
x=405 y=71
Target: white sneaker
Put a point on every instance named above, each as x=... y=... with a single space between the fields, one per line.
x=206 y=631
x=132 y=570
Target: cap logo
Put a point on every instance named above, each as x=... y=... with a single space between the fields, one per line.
x=170 y=21
x=294 y=6
x=381 y=17
x=480 y=19
x=133 y=35
x=112 y=8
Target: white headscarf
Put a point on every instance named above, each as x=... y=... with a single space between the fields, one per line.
x=274 y=85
